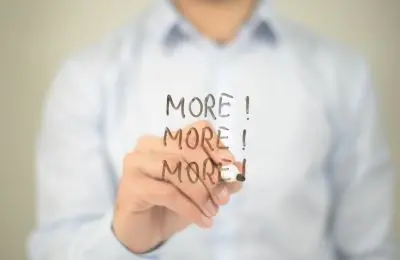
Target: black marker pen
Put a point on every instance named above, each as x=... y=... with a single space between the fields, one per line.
x=231 y=173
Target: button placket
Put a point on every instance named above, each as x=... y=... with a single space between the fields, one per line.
x=224 y=238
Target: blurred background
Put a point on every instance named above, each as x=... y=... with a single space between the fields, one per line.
x=36 y=36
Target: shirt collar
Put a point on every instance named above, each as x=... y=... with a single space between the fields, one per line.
x=170 y=27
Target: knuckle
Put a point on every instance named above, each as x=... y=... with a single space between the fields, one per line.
x=139 y=187
x=197 y=193
x=130 y=161
x=127 y=160
x=174 y=162
x=173 y=158
x=171 y=194
x=142 y=142
x=202 y=124
x=235 y=187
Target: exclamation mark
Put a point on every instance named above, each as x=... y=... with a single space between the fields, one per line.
x=244 y=167
x=244 y=139
x=247 y=107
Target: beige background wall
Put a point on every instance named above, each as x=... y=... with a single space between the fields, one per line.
x=35 y=36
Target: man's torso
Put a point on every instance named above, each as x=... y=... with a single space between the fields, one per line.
x=283 y=210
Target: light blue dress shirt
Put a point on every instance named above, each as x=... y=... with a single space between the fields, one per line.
x=320 y=184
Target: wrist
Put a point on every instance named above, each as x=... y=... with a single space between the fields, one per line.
x=137 y=233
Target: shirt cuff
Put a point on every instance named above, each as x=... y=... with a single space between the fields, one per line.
x=107 y=246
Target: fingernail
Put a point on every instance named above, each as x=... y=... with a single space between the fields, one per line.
x=210 y=209
x=206 y=221
x=223 y=194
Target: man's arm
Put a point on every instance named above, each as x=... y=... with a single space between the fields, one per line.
x=364 y=178
x=75 y=185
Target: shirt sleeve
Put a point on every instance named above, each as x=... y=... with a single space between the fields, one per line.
x=75 y=184
x=363 y=222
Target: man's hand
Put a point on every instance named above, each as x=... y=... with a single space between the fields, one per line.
x=155 y=201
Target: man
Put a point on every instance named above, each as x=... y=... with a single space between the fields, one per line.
x=119 y=144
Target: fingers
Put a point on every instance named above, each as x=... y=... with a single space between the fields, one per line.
x=171 y=169
x=221 y=193
x=173 y=190
x=210 y=141
x=188 y=161
x=197 y=145
x=199 y=161
x=165 y=194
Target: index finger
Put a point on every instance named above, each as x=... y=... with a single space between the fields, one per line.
x=211 y=141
